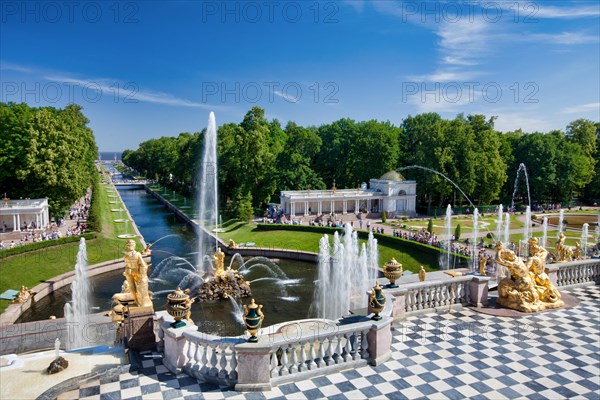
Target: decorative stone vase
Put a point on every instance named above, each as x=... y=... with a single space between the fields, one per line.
x=253 y=318
x=392 y=270
x=377 y=301
x=178 y=306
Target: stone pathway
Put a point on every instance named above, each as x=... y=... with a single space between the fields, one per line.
x=456 y=355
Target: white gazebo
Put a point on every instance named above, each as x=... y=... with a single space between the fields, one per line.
x=15 y=213
x=391 y=193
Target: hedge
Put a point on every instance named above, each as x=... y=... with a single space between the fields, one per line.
x=381 y=238
x=94 y=218
x=45 y=244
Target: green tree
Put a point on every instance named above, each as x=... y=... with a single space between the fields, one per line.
x=457 y=232
x=243 y=207
x=430 y=226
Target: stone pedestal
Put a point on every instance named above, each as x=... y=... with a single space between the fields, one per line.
x=552 y=272
x=399 y=305
x=139 y=328
x=380 y=341
x=254 y=367
x=478 y=290
x=176 y=346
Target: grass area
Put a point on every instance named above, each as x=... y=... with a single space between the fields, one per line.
x=466 y=224
x=34 y=267
x=309 y=241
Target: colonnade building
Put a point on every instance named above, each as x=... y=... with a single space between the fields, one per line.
x=391 y=193
x=15 y=213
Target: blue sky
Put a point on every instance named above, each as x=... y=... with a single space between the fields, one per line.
x=143 y=69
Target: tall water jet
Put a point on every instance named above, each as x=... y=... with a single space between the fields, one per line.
x=499 y=224
x=372 y=258
x=343 y=276
x=598 y=230
x=475 y=238
x=544 y=231
x=523 y=169
x=507 y=230
x=208 y=195
x=584 y=239
x=76 y=312
x=561 y=218
x=445 y=257
x=524 y=245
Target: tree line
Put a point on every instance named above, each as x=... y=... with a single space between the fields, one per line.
x=46 y=152
x=259 y=158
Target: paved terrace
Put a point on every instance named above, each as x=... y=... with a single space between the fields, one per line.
x=455 y=355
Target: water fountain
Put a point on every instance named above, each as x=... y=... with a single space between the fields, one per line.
x=475 y=236
x=76 y=312
x=507 y=229
x=126 y=235
x=523 y=169
x=445 y=256
x=584 y=240
x=561 y=218
x=524 y=244
x=499 y=224
x=544 y=231
x=208 y=195
x=343 y=271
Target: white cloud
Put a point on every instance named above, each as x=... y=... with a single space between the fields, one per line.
x=582 y=108
x=447 y=75
x=566 y=38
x=358 y=5
x=546 y=11
x=287 y=97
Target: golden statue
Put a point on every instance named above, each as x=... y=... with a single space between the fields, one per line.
x=232 y=244
x=422 y=274
x=23 y=295
x=528 y=288
x=578 y=253
x=482 y=263
x=136 y=276
x=563 y=253
x=219 y=262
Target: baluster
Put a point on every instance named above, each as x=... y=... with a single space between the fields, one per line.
x=321 y=362
x=223 y=363
x=347 y=348
x=197 y=360
x=190 y=354
x=213 y=361
x=204 y=369
x=284 y=362
x=294 y=366
x=302 y=366
x=364 y=344
x=329 y=352
x=233 y=373
x=355 y=344
x=337 y=356
x=274 y=370
x=409 y=301
x=311 y=362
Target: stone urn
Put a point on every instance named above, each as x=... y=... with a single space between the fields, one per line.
x=376 y=301
x=178 y=306
x=253 y=318
x=392 y=270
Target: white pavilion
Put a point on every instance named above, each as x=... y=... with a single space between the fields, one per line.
x=14 y=213
x=391 y=193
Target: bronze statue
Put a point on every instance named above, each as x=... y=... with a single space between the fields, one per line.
x=563 y=253
x=528 y=288
x=136 y=276
x=482 y=263
x=23 y=295
x=218 y=259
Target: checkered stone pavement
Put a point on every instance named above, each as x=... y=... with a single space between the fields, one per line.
x=549 y=355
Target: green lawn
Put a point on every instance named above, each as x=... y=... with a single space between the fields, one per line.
x=34 y=267
x=309 y=241
x=486 y=224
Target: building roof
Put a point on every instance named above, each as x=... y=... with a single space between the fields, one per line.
x=392 y=176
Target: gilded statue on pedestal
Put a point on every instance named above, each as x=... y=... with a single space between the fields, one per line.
x=528 y=288
x=219 y=262
x=136 y=276
x=563 y=252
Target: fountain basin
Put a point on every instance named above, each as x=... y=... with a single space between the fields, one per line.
x=127 y=236
x=116 y=209
x=121 y=220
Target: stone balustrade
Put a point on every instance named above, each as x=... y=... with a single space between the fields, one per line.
x=575 y=273
x=284 y=353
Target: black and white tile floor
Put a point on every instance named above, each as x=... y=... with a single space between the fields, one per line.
x=550 y=355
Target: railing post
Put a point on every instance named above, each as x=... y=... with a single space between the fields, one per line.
x=253 y=367
x=176 y=345
x=552 y=272
x=379 y=339
x=478 y=290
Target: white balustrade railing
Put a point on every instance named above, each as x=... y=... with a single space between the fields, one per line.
x=335 y=348
x=430 y=295
x=578 y=273
x=212 y=358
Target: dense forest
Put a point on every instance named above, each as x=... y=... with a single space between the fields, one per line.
x=46 y=152
x=259 y=158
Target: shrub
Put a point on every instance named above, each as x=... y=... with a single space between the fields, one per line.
x=430 y=226
x=94 y=219
x=383 y=217
x=457 y=232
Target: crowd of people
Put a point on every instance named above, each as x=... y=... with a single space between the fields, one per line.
x=32 y=234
